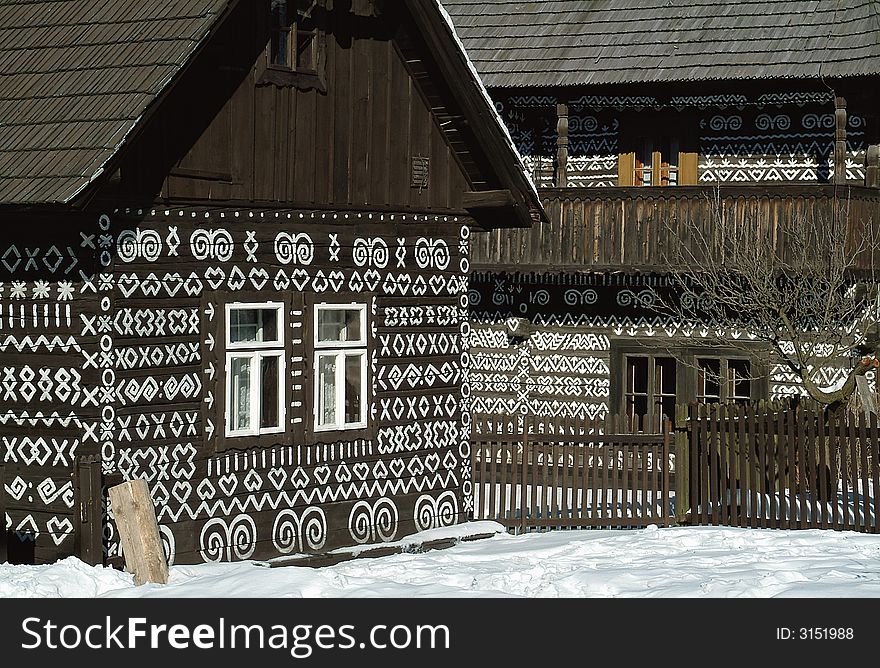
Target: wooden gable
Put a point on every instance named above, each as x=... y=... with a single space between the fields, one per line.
x=366 y=140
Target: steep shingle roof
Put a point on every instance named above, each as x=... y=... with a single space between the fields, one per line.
x=571 y=42
x=75 y=77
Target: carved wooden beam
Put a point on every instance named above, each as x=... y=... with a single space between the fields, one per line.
x=487 y=199
x=562 y=146
x=839 y=140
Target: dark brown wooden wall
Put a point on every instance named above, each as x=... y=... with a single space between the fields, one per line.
x=350 y=146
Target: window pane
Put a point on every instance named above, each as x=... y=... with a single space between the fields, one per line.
x=305 y=53
x=269 y=385
x=353 y=376
x=637 y=375
x=664 y=375
x=709 y=379
x=240 y=394
x=339 y=325
x=739 y=377
x=253 y=325
x=280 y=47
x=326 y=390
x=637 y=405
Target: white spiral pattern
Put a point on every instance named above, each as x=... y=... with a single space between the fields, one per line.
x=294 y=249
x=137 y=244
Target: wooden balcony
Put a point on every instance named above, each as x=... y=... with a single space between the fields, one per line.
x=635 y=229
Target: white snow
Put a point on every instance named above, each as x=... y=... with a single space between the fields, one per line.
x=674 y=562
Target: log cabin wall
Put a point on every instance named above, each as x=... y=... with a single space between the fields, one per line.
x=50 y=376
x=224 y=498
x=565 y=355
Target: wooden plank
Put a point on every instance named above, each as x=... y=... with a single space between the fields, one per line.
x=714 y=465
x=777 y=513
x=747 y=506
x=703 y=465
x=824 y=490
x=732 y=462
x=525 y=470
x=616 y=448
x=139 y=532
x=875 y=473
x=757 y=430
x=791 y=465
x=833 y=443
x=569 y=489
x=554 y=450
x=853 y=456
x=492 y=474
x=503 y=503
x=811 y=522
x=801 y=471
x=605 y=509
x=591 y=469
x=865 y=476
x=665 y=514
x=475 y=456
x=4 y=534
x=646 y=466
x=844 y=440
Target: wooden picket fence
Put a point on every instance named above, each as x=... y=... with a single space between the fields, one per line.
x=532 y=474
x=795 y=468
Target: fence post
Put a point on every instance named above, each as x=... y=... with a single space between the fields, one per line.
x=4 y=554
x=89 y=514
x=682 y=464
x=524 y=471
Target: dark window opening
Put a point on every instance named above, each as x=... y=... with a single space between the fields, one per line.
x=721 y=380
x=651 y=386
x=293 y=45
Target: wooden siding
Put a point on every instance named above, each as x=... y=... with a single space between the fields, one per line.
x=49 y=378
x=633 y=228
x=351 y=146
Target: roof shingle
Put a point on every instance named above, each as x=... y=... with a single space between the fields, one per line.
x=572 y=42
x=76 y=76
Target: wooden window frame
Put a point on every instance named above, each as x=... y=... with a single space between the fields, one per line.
x=686 y=368
x=304 y=78
x=256 y=351
x=724 y=380
x=367 y=429
x=340 y=350
x=214 y=354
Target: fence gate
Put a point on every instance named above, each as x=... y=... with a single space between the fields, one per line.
x=790 y=469
x=567 y=473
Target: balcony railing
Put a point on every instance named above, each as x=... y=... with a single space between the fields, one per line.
x=637 y=229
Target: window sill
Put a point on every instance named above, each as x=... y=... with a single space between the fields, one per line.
x=286 y=77
x=336 y=435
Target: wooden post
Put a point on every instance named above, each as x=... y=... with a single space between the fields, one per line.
x=682 y=464
x=562 y=146
x=4 y=536
x=872 y=166
x=89 y=519
x=139 y=532
x=839 y=140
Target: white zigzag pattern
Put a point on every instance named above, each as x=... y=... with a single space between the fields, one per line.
x=33 y=343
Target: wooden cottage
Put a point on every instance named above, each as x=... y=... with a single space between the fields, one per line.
x=234 y=264
x=632 y=118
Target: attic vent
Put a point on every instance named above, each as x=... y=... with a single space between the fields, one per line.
x=420 y=172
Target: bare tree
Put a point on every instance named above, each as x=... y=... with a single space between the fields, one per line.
x=801 y=279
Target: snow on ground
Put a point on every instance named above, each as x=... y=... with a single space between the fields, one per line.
x=674 y=562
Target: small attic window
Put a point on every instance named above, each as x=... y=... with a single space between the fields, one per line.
x=293 y=44
x=295 y=53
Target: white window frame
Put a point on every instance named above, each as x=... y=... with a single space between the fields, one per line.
x=255 y=351
x=340 y=350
